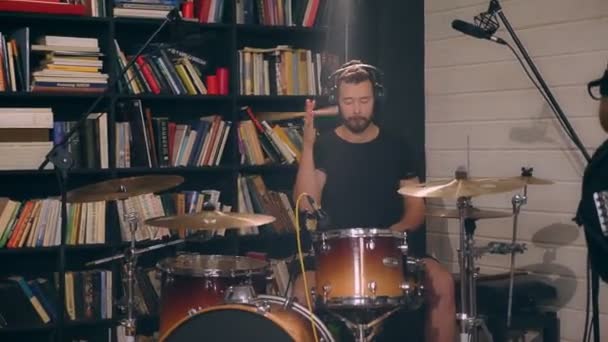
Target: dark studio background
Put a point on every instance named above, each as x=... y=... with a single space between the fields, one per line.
x=389 y=34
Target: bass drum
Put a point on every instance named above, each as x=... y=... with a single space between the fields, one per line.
x=263 y=318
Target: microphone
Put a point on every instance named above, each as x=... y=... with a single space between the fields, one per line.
x=475 y=31
x=323 y=220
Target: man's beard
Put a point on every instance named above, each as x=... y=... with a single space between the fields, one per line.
x=356 y=124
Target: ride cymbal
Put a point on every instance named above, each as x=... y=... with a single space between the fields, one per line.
x=209 y=220
x=466 y=187
x=469 y=212
x=122 y=188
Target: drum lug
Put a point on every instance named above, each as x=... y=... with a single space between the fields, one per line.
x=405 y=287
x=262 y=307
x=326 y=290
x=403 y=247
x=372 y=286
x=371 y=244
x=324 y=246
x=239 y=294
x=194 y=311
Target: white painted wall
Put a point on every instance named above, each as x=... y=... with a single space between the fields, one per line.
x=477 y=92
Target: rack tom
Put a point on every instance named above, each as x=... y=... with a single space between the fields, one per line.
x=360 y=267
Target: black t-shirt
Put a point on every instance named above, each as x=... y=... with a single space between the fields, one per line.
x=595 y=180
x=362 y=180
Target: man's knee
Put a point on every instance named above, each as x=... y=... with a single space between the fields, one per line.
x=439 y=280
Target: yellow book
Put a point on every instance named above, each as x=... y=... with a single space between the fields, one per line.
x=72 y=68
x=284 y=138
x=183 y=75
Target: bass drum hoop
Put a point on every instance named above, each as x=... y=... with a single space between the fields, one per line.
x=357 y=233
x=325 y=333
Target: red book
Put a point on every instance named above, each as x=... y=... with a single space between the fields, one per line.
x=148 y=75
x=222 y=79
x=212 y=85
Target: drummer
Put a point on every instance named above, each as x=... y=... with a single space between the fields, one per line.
x=354 y=172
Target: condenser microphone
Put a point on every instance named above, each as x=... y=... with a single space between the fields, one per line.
x=475 y=31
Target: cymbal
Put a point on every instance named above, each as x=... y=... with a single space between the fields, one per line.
x=122 y=188
x=466 y=187
x=209 y=220
x=531 y=180
x=470 y=212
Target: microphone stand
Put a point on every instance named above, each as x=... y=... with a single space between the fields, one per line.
x=495 y=8
x=62 y=160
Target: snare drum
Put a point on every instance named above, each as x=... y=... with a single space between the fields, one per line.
x=192 y=282
x=360 y=268
x=264 y=318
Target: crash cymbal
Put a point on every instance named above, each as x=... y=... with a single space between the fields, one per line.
x=470 y=212
x=122 y=188
x=209 y=220
x=466 y=187
x=531 y=180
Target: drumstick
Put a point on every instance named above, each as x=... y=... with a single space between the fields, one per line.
x=276 y=116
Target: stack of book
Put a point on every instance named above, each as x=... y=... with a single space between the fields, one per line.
x=282 y=70
x=144 y=8
x=24 y=137
x=69 y=64
x=305 y=13
x=14 y=60
x=263 y=143
x=171 y=71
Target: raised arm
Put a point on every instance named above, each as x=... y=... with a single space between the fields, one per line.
x=414 y=211
x=308 y=179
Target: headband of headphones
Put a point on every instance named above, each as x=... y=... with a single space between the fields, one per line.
x=376 y=76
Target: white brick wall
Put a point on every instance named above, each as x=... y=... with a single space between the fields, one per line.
x=478 y=95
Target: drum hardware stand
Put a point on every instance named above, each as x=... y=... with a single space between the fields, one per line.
x=360 y=331
x=469 y=321
x=517 y=202
x=129 y=267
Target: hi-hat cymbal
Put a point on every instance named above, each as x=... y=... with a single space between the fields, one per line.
x=470 y=212
x=466 y=187
x=209 y=220
x=531 y=180
x=122 y=188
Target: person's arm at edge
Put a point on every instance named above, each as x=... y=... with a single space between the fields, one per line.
x=414 y=211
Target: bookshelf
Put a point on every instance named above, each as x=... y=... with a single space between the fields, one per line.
x=225 y=38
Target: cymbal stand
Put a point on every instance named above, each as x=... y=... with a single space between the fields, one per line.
x=129 y=267
x=365 y=332
x=517 y=202
x=469 y=321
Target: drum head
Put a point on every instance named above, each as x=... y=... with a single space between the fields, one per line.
x=228 y=325
x=212 y=265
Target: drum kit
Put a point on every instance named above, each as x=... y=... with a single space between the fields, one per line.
x=362 y=275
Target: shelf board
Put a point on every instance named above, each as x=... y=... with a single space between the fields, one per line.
x=174 y=97
x=89 y=247
x=29 y=250
x=248 y=28
x=283 y=98
x=268 y=168
x=29 y=17
x=27 y=95
x=42 y=328
x=210 y=169
x=51 y=172
x=158 y=21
